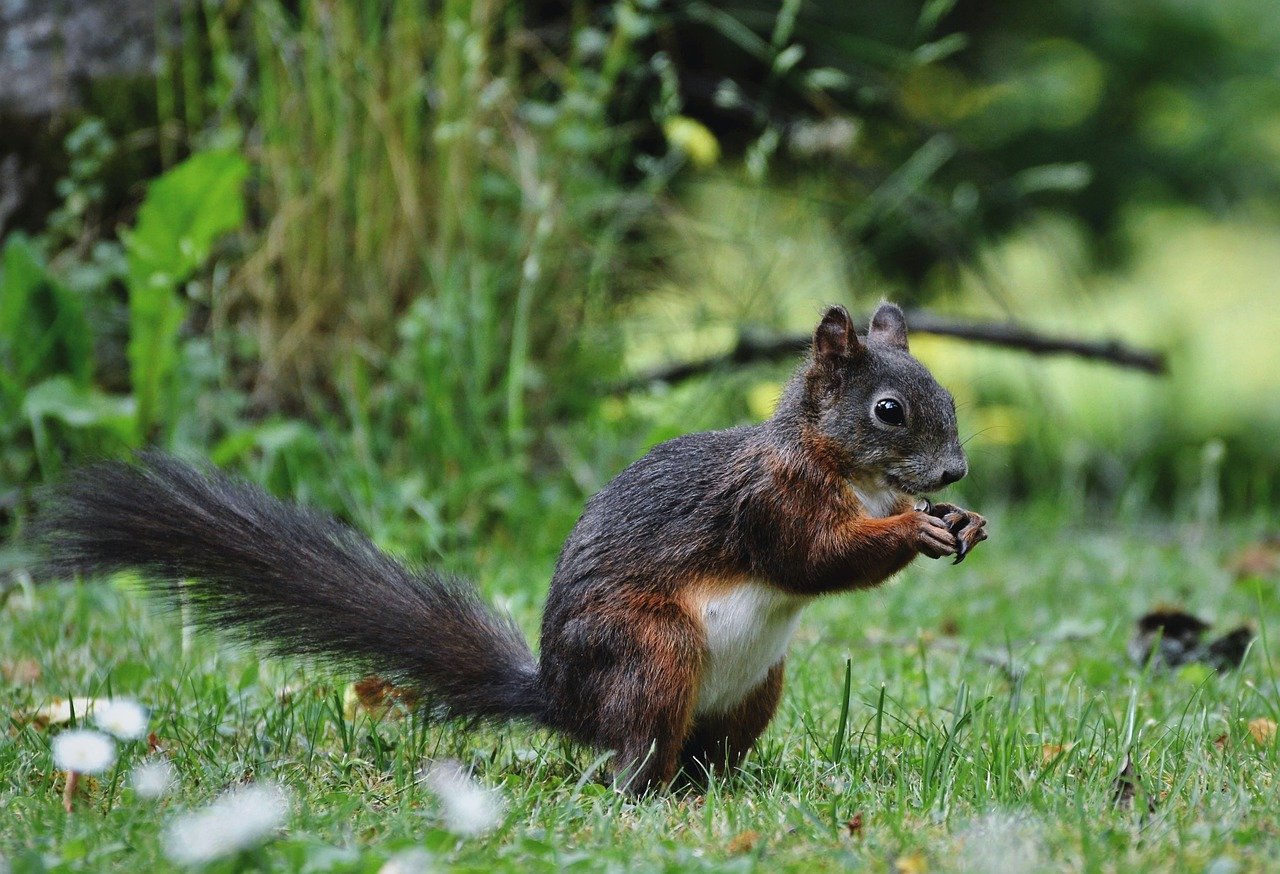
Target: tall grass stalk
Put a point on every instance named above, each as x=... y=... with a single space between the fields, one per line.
x=440 y=209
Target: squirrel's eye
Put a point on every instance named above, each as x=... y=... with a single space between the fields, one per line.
x=890 y=412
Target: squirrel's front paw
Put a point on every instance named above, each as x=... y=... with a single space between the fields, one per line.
x=933 y=537
x=968 y=527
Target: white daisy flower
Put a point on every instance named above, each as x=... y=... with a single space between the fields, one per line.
x=152 y=778
x=469 y=809
x=1001 y=843
x=125 y=719
x=236 y=820
x=83 y=751
x=412 y=861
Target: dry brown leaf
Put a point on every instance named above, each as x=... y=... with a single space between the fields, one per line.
x=373 y=691
x=1049 y=752
x=744 y=842
x=376 y=697
x=60 y=710
x=22 y=672
x=1258 y=560
x=1263 y=730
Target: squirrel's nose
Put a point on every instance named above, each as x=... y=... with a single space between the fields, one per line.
x=954 y=474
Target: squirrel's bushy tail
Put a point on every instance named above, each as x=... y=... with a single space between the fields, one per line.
x=293 y=580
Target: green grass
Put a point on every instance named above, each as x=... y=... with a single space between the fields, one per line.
x=943 y=752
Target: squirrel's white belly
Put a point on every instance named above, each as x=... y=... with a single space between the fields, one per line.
x=878 y=501
x=748 y=629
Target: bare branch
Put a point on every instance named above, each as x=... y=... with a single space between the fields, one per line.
x=1007 y=335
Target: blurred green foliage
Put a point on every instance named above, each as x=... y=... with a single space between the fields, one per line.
x=396 y=247
x=46 y=339
x=937 y=126
x=45 y=348
x=184 y=213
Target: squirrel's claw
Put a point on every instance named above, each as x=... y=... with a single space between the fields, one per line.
x=933 y=538
x=968 y=528
x=973 y=533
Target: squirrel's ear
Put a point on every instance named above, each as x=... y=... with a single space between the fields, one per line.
x=889 y=326
x=835 y=340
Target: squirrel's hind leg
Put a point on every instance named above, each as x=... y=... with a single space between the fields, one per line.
x=646 y=696
x=718 y=743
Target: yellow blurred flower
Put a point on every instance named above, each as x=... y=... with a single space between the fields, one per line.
x=613 y=409
x=1001 y=425
x=694 y=139
x=762 y=399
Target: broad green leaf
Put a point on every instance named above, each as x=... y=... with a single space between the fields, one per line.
x=77 y=406
x=249 y=676
x=43 y=330
x=184 y=213
x=270 y=437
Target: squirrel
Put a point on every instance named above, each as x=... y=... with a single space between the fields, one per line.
x=672 y=602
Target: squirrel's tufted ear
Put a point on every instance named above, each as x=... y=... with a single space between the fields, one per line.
x=835 y=340
x=889 y=326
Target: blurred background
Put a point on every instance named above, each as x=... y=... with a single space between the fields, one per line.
x=405 y=260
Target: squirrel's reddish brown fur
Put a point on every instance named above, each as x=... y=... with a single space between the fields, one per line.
x=673 y=599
